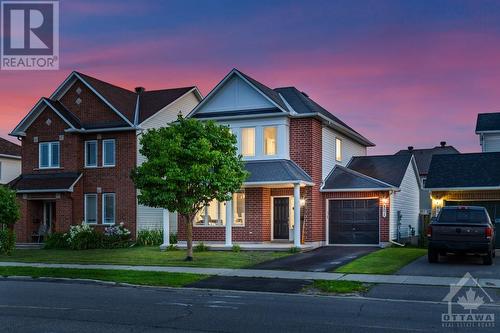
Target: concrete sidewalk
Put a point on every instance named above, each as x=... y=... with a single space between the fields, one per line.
x=260 y=273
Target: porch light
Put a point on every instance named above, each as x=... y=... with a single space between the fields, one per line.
x=384 y=202
x=302 y=202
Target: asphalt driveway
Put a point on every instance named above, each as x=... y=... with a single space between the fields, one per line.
x=455 y=266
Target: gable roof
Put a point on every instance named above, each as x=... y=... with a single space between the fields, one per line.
x=278 y=171
x=150 y=102
x=389 y=169
x=344 y=179
x=270 y=93
x=488 y=122
x=9 y=148
x=65 y=113
x=423 y=157
x=464 y=171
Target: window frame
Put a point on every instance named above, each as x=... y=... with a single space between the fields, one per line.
x=234 y=224
x=104 y=165
x=220 y=206
x=85 y=208
x=49 y=144
x=338 y=149
x=104 y=195
x=264 y=148
x=96 y=154
x=243 y=129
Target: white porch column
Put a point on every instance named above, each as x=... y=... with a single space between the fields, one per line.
x=296 y=215
x=166 y=230
x=229 y=222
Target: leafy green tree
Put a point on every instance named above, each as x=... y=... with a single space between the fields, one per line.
x=188 y=164
x=9 y=208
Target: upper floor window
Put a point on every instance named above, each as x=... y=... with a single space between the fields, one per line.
x=108 y=208
x=338 y=150
x=108 y=153
x=248 y=141
x=49 y=155
x=270 y=140
x=91 y=153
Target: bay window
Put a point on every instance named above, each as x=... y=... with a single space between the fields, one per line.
x=248 y=141
x=270 y=140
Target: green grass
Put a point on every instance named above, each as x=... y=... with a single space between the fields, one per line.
x=122 y=276
x=384 y=261
x=149 y=256
x=339 y=287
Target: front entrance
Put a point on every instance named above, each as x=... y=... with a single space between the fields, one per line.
x=281 y=218
x=48 y=215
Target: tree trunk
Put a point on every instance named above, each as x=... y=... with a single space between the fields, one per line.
x=189 y=236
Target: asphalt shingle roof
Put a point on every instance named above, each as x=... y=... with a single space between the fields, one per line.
x=9 y=148
x=387 y=168
x=44 y=182
x=275 y=171
x=488 y=122
x=464 y=170
x=423 y=157
x=343 y=178
x=150 y=102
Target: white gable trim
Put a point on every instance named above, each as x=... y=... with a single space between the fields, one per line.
x=233 y=72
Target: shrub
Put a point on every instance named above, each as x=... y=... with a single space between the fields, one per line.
x=173 y=238
x=153 y=237
x=9 y=208
x=236 y=248
x=56 y=240
x=201 y=247
x=294 y=249
x=116 y=236
x=83 y=237
x=7 y=241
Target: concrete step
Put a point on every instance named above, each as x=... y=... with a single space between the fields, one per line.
x=29 y=246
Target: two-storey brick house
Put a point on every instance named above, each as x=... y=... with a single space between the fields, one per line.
x=306 y=187
x=78 y=149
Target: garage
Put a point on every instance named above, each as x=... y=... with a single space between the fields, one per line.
x=353 y=221
x=492 y=206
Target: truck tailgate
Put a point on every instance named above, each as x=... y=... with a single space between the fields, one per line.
x=458 y=232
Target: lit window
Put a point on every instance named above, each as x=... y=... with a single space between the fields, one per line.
x=248 y=141
x=90 y=208
x=108 y=208
x=91 y=153
x=239 y=208
x=270 y=140
x=212 y=215
x=49 y=155
x=338 y=150
x=108 y=153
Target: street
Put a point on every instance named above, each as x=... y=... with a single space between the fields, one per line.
x=35 y=306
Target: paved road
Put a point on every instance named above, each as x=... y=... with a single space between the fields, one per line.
x=72 y=307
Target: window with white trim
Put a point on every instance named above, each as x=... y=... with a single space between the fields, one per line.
x=108 y=152
x=91 y=154
x=108 y=208
x=239 y=208
x=248 y=141
x=90 y=203
x=213 y=214
x=270 y=146
x=49 y=155
x=338 y=150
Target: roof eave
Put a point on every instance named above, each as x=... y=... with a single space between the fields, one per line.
x=374 y=189
x=14 y=157
x=471 y=188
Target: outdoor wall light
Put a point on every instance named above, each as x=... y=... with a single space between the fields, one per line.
x=302 y=202
x=384 y=202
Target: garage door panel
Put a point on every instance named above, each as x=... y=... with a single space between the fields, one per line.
x=353 y=221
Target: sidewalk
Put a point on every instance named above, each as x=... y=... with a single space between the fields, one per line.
x=260 y=273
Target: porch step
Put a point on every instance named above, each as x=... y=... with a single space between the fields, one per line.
x=29 y=246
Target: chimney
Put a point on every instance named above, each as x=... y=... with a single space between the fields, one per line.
x=443 y=143
x=139 y=90
x=410 y=148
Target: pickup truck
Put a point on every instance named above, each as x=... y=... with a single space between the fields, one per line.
x=461 y=229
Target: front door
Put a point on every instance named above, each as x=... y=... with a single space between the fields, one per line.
x=281 y=212
x=48 y=216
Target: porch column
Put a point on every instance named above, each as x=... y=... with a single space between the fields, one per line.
x=229 y=222
x=166 y=230
x=296 y=215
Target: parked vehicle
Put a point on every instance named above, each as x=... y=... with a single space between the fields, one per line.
x=462 y=229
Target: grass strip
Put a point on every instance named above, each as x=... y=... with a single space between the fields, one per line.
x=339 y=287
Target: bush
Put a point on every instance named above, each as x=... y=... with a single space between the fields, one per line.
x=236 y=248
x=153 y=237
x=7 y=241
x=83 y=237
x=9 y=208
x=56 y=240
x=294 y=249
x=116 y=236
x=201 y=247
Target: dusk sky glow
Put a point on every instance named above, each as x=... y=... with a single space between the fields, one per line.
x=400 y=72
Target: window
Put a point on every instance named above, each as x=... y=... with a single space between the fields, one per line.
x=212 y=215
x=91 y=153
x=338 y=150
x=108 y=208
x=90 y=203
x=108 y=153
x=239 y=208
x=248 y=141
x=48 y=155
x=270 y=140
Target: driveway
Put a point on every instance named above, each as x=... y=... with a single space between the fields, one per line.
x=455 y=266
x=323 y=259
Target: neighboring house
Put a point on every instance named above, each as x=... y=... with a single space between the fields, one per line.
x=488 y=129
x=290 y=144
x=10 y=161
x=423 y=158
x=466 y=179
x=78 y=149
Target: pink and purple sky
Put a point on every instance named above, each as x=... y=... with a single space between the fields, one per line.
x=400 y=72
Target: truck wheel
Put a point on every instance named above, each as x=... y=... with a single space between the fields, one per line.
x=488 y=259
x=432 y=256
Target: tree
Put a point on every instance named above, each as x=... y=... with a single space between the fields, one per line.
x=9 y=208
x=188 y=164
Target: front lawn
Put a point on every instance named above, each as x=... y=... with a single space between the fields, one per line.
x=338 y=287
x=150 y=256
x=121 y=276
x=384 y=261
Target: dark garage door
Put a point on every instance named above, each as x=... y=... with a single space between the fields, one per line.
x=353 y=221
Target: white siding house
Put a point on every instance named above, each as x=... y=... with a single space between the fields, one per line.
x=490 y=142
x=10 y=168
